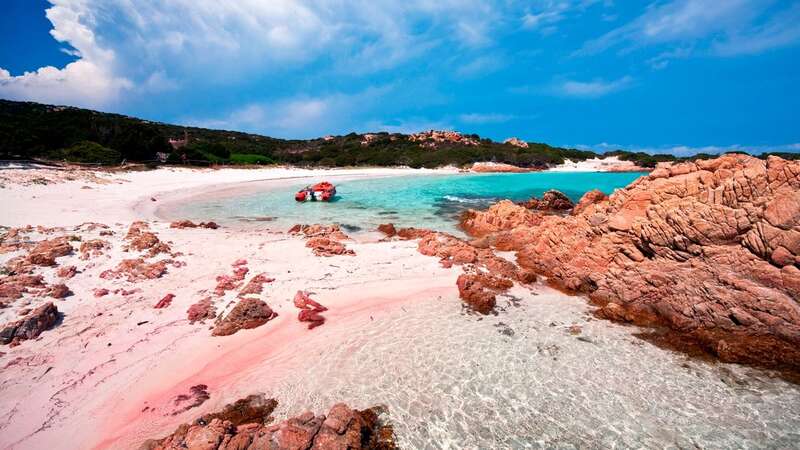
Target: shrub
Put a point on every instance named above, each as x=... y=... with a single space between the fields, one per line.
x=247 y=158
x=88 y=152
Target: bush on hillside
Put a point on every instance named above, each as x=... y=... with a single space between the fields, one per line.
x=88 y=152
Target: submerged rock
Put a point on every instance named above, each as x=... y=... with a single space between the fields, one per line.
x=245 y=425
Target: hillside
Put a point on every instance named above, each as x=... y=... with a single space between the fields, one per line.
x=37 y=131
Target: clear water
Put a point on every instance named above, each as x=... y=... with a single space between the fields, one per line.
x=520 y=379
x=430 y=201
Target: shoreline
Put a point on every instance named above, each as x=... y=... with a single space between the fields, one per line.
x=117 y=364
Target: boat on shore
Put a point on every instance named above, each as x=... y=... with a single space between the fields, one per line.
x=320 y=192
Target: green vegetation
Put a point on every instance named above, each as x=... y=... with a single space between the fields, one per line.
x=33 y=130
x=87 y=152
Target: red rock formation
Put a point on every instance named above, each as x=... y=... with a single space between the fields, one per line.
x=202 y=310
x=504 y=215
x=309 y=310
x=164 y=302
x=710 y=249
x=141 y=239
x=244 y=425
x=93 y=248
x=13 y=286
x=322 y=246
x=59 y=291
x=231 y=282
x=44 y=253
x=66 y=271
x=590 y=198
x=317 y=230
x=387 y=229
x=248 y=313
x=412 y=233
x=100 y=292
x=136 y=270
x=552 y=201
x=32 y=325
x=303 y=300
x=256 y=285
x=486 y=273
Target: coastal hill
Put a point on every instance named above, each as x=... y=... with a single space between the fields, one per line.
x=60 y=133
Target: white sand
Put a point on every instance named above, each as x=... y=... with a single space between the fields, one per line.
x=64 y=202
x=86 y=382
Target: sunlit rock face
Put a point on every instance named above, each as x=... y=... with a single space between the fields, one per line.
x=709 y=248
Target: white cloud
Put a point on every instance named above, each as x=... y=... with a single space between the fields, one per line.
x=709 y=27
x=592 y=89
x=300 y=116
x=546 y=14
x=89 y=81
x=158 y=45
x=781 y=30
x=484 y=118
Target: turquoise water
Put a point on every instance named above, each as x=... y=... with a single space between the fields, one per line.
x=430 y=201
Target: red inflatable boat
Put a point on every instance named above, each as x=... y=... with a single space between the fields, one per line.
x=320 y=192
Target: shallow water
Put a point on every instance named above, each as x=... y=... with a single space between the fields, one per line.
x=430 y=201
x=520 y=379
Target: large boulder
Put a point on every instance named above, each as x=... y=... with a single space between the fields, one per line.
x=29 y=327
x=709 y=249
x=551 y=201
x=248 y=313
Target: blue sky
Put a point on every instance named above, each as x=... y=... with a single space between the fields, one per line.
x=670 y=75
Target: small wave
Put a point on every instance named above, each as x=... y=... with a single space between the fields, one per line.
x=454 y=198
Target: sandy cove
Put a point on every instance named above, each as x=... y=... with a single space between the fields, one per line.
x=115 y=364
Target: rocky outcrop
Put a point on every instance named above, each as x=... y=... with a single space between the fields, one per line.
x=388 y=229
x=136 y=270
x=590 y=198
x=486 y=274
x=323 y=240
x=322 y=246
x=13 y=286
x=709 y=249
x=59 y=291
x=29 y=327
x=93 y=248
x=202 y=310
x=256 y=285
x=551 y=201
x=43 y=254
x=233 y=281
x=140 y=238
x=248 y=313
x=245 y=425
